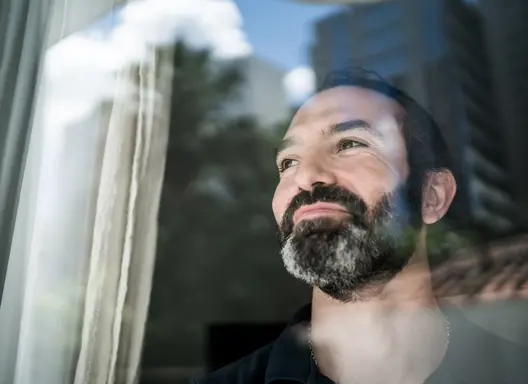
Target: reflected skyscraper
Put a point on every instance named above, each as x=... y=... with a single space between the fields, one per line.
x=505 y=33
x=463 y=60
x=404 y=42
x=262 y=93
x=479 y=113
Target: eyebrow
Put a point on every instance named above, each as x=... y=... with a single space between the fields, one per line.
x=351 y=125
x=335 y=129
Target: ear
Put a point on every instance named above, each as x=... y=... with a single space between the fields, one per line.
x=438 y=193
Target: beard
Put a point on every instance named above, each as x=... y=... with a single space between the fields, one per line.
x=344 y=257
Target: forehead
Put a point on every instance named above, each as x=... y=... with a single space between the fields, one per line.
x=344 y=103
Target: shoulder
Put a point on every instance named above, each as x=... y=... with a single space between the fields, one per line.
x=251 y=369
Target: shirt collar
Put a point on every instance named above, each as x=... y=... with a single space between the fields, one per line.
x=290 y=358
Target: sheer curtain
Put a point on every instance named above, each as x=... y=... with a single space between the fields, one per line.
x=23 y=28
x=80 y=267
x=124 y=238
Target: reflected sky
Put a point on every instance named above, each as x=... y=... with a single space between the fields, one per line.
x=281 y=30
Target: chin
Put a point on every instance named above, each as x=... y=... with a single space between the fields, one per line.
x=345 y=262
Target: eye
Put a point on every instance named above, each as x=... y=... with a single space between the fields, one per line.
x=348 y=144
x=285 y=164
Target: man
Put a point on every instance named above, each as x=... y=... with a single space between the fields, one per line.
x=363 y=172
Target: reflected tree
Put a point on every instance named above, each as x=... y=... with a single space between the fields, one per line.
x=217 y=255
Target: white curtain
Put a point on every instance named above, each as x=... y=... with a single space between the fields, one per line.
x=79 y=275
x=23 y=27
x=123 y=244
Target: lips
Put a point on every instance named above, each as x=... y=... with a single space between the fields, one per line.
x=318 y=209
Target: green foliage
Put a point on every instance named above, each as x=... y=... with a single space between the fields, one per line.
x=443 y=242
x=217 y=256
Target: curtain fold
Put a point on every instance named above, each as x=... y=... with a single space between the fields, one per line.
x=23 y=29
x=156 y=95
x=47 y=272
x=124 y=238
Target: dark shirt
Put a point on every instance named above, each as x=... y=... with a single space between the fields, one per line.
x=473 y=356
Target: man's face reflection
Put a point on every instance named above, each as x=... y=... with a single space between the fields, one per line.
x=341 y=202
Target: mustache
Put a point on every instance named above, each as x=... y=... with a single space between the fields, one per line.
x=353 y=204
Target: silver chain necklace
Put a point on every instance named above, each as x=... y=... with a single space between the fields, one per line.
x=312 y=354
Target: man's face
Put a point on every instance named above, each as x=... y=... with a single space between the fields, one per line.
x=341 y=202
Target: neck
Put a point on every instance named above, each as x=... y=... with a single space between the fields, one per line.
x=395 y=334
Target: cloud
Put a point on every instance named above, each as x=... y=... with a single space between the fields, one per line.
x=212 y=24
x=299 y=84
x=80 y=70
x=79 y=74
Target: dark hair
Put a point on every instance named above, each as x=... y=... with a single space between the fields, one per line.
x=427 y=150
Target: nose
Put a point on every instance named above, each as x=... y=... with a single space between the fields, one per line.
x=313 y=172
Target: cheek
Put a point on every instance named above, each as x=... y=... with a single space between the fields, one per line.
x=280 y=201
x=369 y=177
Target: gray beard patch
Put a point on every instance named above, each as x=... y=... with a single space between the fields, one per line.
x=343 y=259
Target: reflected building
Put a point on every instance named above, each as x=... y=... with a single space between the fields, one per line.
x=262 y=94
x=404 y=42
x=506 y=40
x=489 y=176
x=462 y=60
